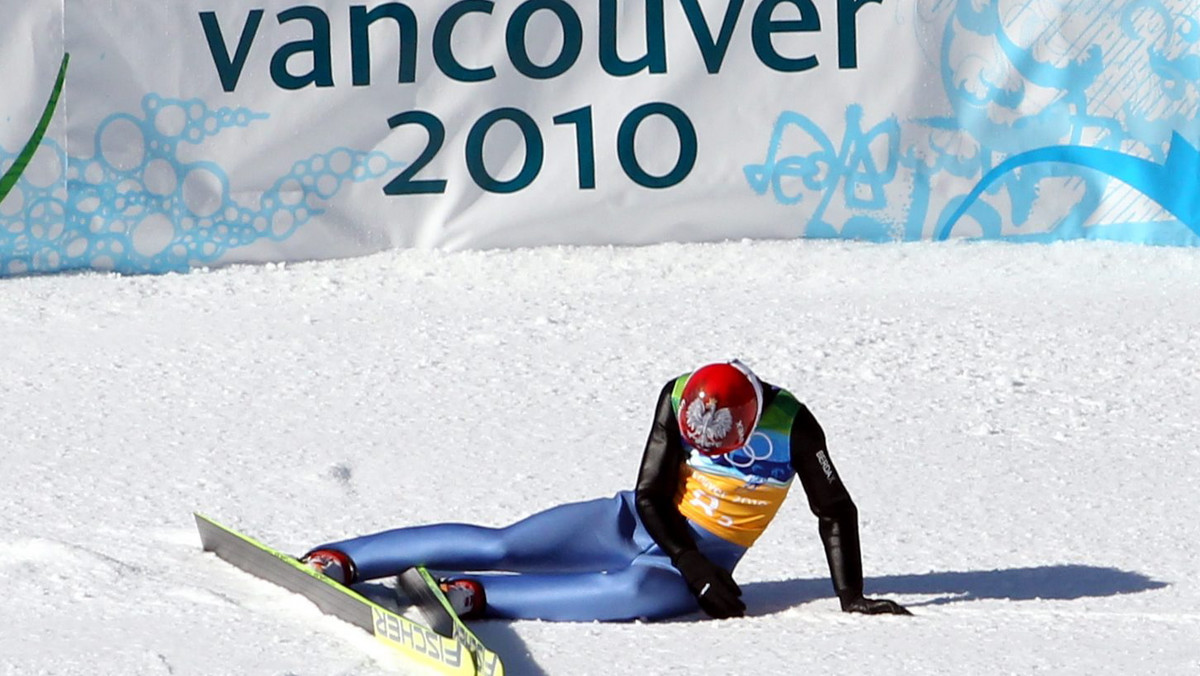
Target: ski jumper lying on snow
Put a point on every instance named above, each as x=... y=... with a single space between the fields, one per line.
x=721 y=456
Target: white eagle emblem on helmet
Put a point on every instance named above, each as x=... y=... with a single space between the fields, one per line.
x=707 y=425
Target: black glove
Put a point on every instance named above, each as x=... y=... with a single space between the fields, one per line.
x=867 y=606
x=712 y=585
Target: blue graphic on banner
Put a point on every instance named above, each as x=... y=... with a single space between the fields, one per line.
x=138 y=206
x=1172 y=185
x=1043 y=127
x=852 y=165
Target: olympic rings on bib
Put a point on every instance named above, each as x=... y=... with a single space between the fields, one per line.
x=749 y=454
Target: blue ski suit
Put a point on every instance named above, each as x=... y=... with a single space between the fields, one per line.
x=615 y=558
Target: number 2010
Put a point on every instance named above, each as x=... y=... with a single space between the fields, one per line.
x=407 y=182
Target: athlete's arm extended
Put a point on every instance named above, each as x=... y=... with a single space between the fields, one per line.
x=658 y=480
x=830 y=502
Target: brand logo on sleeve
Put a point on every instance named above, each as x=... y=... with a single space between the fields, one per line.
x=826 y=466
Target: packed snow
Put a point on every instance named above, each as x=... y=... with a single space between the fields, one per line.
x=1017 y=424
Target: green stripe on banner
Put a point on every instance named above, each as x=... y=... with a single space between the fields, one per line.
x=14 y=172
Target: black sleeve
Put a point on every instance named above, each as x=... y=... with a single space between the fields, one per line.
x=658 y=479
x=830 y=502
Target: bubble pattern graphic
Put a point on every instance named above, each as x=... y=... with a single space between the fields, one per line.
x=136 y=205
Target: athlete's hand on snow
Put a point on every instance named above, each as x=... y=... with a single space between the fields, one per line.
x=873 y=607
x=713 y=586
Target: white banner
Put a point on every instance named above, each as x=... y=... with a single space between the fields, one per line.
x=213 y=132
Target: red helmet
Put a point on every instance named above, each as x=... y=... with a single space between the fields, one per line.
x=720 y=407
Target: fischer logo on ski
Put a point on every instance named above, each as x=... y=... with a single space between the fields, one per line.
x=423 y=591
x=414 y=637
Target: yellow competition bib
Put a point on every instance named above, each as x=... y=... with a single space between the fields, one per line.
x=729 y=507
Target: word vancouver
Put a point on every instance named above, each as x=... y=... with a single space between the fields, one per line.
x=231 y=40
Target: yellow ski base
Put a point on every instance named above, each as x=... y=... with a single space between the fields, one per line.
x=414 y=641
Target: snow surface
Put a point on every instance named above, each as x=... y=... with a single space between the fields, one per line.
x=1017 y=425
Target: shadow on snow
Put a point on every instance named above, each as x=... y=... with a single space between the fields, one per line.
x=1061 y=582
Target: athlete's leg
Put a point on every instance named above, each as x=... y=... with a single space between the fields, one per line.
x=649 y=588
x=584 y=536
x=633 y=592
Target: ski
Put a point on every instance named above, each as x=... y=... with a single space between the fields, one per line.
x=423 y=591
x=422 y=645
